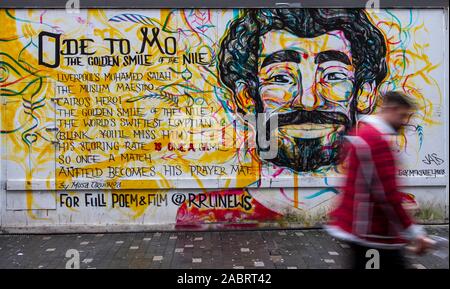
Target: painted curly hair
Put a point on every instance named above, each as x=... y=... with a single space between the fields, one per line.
x=238 y=56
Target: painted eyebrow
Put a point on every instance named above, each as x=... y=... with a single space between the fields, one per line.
x=332 y=55
x=282 y=56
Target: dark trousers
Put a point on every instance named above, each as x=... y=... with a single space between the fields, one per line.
x=361 y=258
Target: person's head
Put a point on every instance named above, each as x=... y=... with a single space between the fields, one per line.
x=314 y=68
x=396 y=109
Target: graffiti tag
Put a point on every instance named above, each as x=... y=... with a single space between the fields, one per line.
x=432 y=158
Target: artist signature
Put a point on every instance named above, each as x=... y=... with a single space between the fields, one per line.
x=432 y=158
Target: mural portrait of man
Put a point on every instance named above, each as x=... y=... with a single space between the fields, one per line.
x=316 y=69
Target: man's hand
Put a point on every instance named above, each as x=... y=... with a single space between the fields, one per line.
x=422 y=245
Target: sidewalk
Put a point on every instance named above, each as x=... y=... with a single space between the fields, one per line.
x=286 y=249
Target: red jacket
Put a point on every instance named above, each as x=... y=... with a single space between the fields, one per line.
x=370 y=210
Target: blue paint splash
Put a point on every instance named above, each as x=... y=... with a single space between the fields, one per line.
x=321 y=192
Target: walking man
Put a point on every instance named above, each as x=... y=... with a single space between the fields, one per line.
x=369 y=214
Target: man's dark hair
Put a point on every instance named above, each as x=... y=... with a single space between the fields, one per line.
x=397 y=98
x=238 y=56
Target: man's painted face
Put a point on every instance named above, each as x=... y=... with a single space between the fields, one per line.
x=309 y=83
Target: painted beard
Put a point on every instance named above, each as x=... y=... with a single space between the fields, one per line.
x=308 y=140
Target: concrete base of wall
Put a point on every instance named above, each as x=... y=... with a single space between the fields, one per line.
x=80 y=229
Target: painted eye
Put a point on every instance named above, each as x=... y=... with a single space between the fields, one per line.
x=280 y=78
x=335 y=76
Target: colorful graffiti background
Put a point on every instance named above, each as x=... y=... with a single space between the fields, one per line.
x=131 y=102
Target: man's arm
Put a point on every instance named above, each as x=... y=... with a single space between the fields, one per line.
x=389 y=196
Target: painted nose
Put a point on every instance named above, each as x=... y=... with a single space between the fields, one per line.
x=307 y=98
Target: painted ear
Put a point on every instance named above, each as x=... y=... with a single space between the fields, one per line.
x=367 y=98
x=243 y=98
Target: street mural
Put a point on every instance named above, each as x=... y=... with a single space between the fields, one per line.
x=167 y=116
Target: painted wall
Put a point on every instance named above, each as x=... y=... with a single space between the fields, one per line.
x=123 y=120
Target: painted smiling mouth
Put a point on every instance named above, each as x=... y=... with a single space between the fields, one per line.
x=311 y=130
